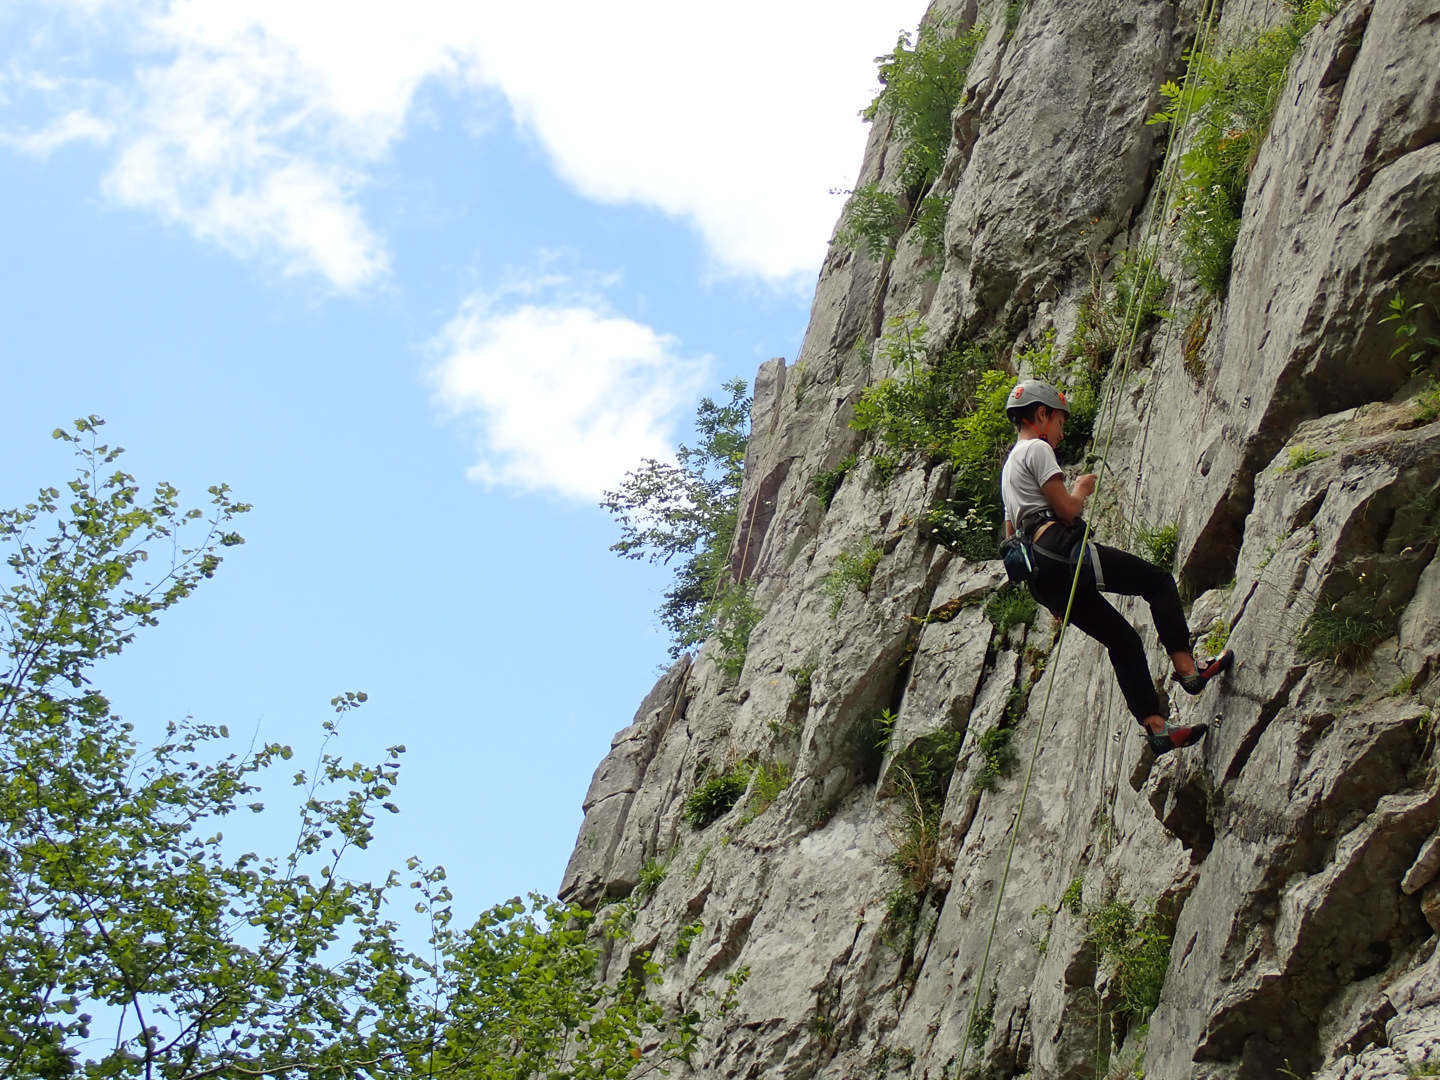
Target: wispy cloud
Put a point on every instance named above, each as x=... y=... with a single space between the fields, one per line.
x=565 y=395
x=77 y=125
x=211 y=146
x=255 y=124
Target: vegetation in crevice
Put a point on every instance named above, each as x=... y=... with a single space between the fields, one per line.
x=854 y=569
x=1346 y=638
x=1416 y=348
x=652 y=875
x=1040 y=939
x=865 y=742
x=1427 y=403
x=984 y=1019
x=1231 y=96
x=1157 y=543
x=799 y=374
x=1215 y=641
x=1009 y=606
x=906 y=660
x=1131 y=301
x=803 y=675
x=715 y=796
x=923 y=83
x=876 y=219
x=1192 y=342
x=1300 y=456
x=687 y=512
x=920 y=776
x=996 y=745
x=1135 y=946
x=768 y=780
x=735 y=616
x=872 y=223
x=685 y=938
x=699 y=862
x=998 y=756
x=947 y=408
x=882 y=469
x=1428 y=1066
x=821 y=1026
x=824 y=485
x=1013 y=8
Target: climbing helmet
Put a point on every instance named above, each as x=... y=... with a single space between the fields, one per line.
x=1036 y=392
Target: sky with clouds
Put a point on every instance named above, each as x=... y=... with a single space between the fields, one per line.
x=420 y=281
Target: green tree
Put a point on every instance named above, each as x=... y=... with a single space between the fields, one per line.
x=689 y=511
x=117 y=897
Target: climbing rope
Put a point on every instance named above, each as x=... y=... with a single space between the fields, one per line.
x=1134 y=309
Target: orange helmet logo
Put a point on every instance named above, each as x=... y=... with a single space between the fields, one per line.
x=1019 y=392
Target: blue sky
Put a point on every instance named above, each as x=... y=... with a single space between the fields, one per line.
x=418 y=281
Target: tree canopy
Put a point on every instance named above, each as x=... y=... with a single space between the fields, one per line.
x=119 y=899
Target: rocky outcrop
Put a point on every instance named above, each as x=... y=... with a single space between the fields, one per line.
x=1289 y=867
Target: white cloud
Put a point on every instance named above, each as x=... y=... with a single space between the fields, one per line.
x=254 y=124
x=210 y=148
x=566 y=395
x=74 y=126
x=739 y=117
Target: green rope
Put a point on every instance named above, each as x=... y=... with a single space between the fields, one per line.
x=1133 y=308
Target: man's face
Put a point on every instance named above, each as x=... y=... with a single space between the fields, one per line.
x=1054 y=426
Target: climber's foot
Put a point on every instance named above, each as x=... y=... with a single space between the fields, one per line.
x=1173 y=738
x=1204 y=672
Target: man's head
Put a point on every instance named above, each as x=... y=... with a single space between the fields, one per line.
x=1039 y=406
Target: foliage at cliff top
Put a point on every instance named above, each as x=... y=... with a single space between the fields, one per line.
x=1232 y=97
x=689 y=511
x=118 y=897
x=924 y=82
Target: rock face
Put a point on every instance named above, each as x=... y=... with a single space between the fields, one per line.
x=1285 y=874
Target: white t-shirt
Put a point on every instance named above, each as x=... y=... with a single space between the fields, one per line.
x=1030 y=463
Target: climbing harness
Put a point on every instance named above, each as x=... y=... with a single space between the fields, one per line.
x=1080 y=554
x=1134 y=308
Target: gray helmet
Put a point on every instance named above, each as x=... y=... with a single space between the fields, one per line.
x=1036 y=392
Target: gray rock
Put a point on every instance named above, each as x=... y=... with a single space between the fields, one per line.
x=1291 y=858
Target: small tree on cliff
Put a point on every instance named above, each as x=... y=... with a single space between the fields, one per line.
x=689 y=510
x=117 y=898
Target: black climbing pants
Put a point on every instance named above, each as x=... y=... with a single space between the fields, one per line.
x=1119 y=572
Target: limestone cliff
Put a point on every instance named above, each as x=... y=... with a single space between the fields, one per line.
x=1292 y=858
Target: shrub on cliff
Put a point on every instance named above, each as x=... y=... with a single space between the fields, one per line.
x=950 y=409
x=923 y=83
x=688 y=511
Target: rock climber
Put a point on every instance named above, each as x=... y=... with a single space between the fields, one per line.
x=1040 y=509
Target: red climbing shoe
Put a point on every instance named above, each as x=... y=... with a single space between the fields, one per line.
x=1204 y=672
x=1173 y=738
